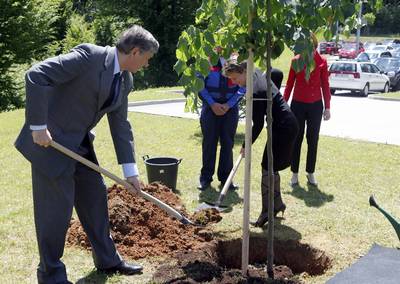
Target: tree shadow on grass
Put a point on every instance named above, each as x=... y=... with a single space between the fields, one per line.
x=313 y=196
x=211 y=195
x=94 y=277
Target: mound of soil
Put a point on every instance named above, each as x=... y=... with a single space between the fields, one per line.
x=141 y=229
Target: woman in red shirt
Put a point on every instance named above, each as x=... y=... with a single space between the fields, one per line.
x=311 y=101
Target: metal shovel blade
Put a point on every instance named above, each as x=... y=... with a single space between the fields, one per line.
x=208 y=205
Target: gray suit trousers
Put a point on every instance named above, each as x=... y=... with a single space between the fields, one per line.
x=54 y=200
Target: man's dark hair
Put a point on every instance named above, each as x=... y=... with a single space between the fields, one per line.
x=137 y=36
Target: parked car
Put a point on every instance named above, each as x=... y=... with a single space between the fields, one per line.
x=391 y=67
x=332 y=48
x=381 y=48
x=348 y=50
x=369 y=45
x=322 y=47
x=357 y=76
x=371 y=55
x=391 y=41
x=396 y=53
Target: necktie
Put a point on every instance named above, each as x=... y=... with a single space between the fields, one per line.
x=114 y=91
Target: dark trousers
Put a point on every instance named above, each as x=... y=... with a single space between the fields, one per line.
x=53 y=201
x=309 y=114
x=217 y=128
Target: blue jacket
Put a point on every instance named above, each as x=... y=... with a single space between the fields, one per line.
x=217 y=90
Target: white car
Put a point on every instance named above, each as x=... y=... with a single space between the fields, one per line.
x=357 y=76
x=381 y=48
x=372 y=55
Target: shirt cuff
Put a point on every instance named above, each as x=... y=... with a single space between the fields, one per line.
x=38 y=127
x=130 y=169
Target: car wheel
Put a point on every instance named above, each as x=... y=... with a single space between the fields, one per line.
x=386 y=88
x=365 y=91
x=333 y=91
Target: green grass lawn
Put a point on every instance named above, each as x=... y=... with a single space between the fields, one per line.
x=157 y=94
x=391 y=95
x=336 y=217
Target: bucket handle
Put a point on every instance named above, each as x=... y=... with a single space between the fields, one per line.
x=179 y=161
x=145 y=157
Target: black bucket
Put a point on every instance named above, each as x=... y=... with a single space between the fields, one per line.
x=163 y=170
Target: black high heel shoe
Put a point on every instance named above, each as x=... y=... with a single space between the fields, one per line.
x=263 y=218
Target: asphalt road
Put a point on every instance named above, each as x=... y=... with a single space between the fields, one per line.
x=353 y=117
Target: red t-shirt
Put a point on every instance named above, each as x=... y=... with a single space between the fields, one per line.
x=309 y=91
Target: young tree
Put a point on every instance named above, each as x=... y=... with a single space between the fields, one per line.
x=262 y=27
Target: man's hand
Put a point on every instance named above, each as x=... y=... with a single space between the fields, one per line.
x=327 y=114
x=134 y=181
x=42 y=137
x=218 y=109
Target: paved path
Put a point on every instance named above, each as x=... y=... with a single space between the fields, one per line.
x=352 y=117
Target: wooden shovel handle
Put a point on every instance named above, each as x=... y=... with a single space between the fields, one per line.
x=229 y=180
x=171 y=211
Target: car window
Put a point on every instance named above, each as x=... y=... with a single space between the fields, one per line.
x=363 y=57
x=373 y=55
x=382 y=63
x=395 y=63
x=349 y=67
x=365 y=68
x=375 y=69
x=386 y=54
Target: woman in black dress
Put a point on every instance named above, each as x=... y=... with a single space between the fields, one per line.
x=284 y=131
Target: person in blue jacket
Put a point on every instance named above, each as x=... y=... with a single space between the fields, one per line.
x=219 y=119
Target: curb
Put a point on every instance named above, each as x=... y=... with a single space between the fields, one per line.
x=155 y=102
x=372 y=97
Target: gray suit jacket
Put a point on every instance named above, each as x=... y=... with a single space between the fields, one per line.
x=67 y=93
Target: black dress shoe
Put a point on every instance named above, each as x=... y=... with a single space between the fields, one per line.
x=123 y=268
x=203 y=186
x=233 y=186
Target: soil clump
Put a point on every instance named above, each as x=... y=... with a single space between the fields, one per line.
x=141 y=229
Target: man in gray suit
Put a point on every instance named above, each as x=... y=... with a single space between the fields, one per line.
x=66 y=96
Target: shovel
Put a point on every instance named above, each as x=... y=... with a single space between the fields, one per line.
x=171 y=211
x=217 y=205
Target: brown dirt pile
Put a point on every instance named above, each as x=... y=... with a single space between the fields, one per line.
x=141 y=229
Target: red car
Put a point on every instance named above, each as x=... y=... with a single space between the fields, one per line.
x=348 y=50
x=332 y=48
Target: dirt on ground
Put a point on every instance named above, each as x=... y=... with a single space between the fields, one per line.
x=206 y=266
x=140 y=229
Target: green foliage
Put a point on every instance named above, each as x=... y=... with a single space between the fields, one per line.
x=369 y=18
x=26 y=31
x=387 y=19
x=78 y=32
x=165 y=19
x=226 y=23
